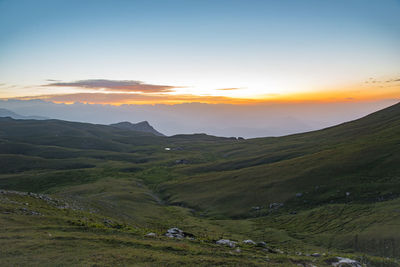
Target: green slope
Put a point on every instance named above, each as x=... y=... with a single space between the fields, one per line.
x=360 y=157
x=339 y=188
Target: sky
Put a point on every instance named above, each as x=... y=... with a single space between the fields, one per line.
x=209 y=51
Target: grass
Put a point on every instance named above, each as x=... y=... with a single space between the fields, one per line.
x=339 y=188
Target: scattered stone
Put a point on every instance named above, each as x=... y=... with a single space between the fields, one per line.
x=108 y=222
x=181 y=161
x=341 y=262
x=299 y=194
x=54 y=202
x=26 y=211
x=315 y=255
x=255 y=208
x=249 y=242
x=347 y=194
x=167 y=149
x=151 y=235
x=237 y=250
x=226 y=242
x=175 y=233
x=279 y=251
x=275 y=205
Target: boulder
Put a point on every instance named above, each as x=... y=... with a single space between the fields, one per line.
x=226 y=242
x=346 y=262
x=275 y=205
x=249 y=242
x=181 y=161
x=261 y=244
x=175 y=233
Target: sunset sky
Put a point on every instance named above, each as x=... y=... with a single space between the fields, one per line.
x=210 y=51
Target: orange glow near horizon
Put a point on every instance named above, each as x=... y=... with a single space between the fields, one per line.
x=367 y=91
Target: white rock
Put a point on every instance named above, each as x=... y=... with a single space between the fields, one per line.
x=226 y=242
x=347 y=262
x=175 y=233
x=151 y=235
x=249 y=242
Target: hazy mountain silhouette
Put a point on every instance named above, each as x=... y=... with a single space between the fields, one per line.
x=11 y=114
x=143 y=126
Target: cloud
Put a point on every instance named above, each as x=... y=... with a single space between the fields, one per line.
x=129 y=98
x=393 y=80
x=116 y=85
x=228 y=89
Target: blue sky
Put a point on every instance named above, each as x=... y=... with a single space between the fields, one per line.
x=260 y=47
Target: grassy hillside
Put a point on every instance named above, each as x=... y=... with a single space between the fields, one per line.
x=334 y=191
x=360 y=158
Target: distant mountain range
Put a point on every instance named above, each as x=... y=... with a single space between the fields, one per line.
x=143 y=126
x=8 y=113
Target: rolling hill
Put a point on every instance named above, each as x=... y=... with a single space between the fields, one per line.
x=334 y=191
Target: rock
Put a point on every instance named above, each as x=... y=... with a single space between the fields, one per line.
x=226 y=242
x=315 y=255
x=299 y=194
x=255 y=208
x=249 y=242
x=261 y=244
x=151 y=235
x=347 y=194
x=346 y=262
x=237 y=250
x=275 y=205
x=181 y=161
x=175 y=233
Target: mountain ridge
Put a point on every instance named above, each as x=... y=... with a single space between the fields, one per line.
x=143 y=126
x=8 y=113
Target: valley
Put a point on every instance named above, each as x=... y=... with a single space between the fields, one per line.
x=88 y=194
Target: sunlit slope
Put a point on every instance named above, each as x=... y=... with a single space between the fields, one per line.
x=356 y=162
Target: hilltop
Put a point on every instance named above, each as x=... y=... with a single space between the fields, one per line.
x=143 y=126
